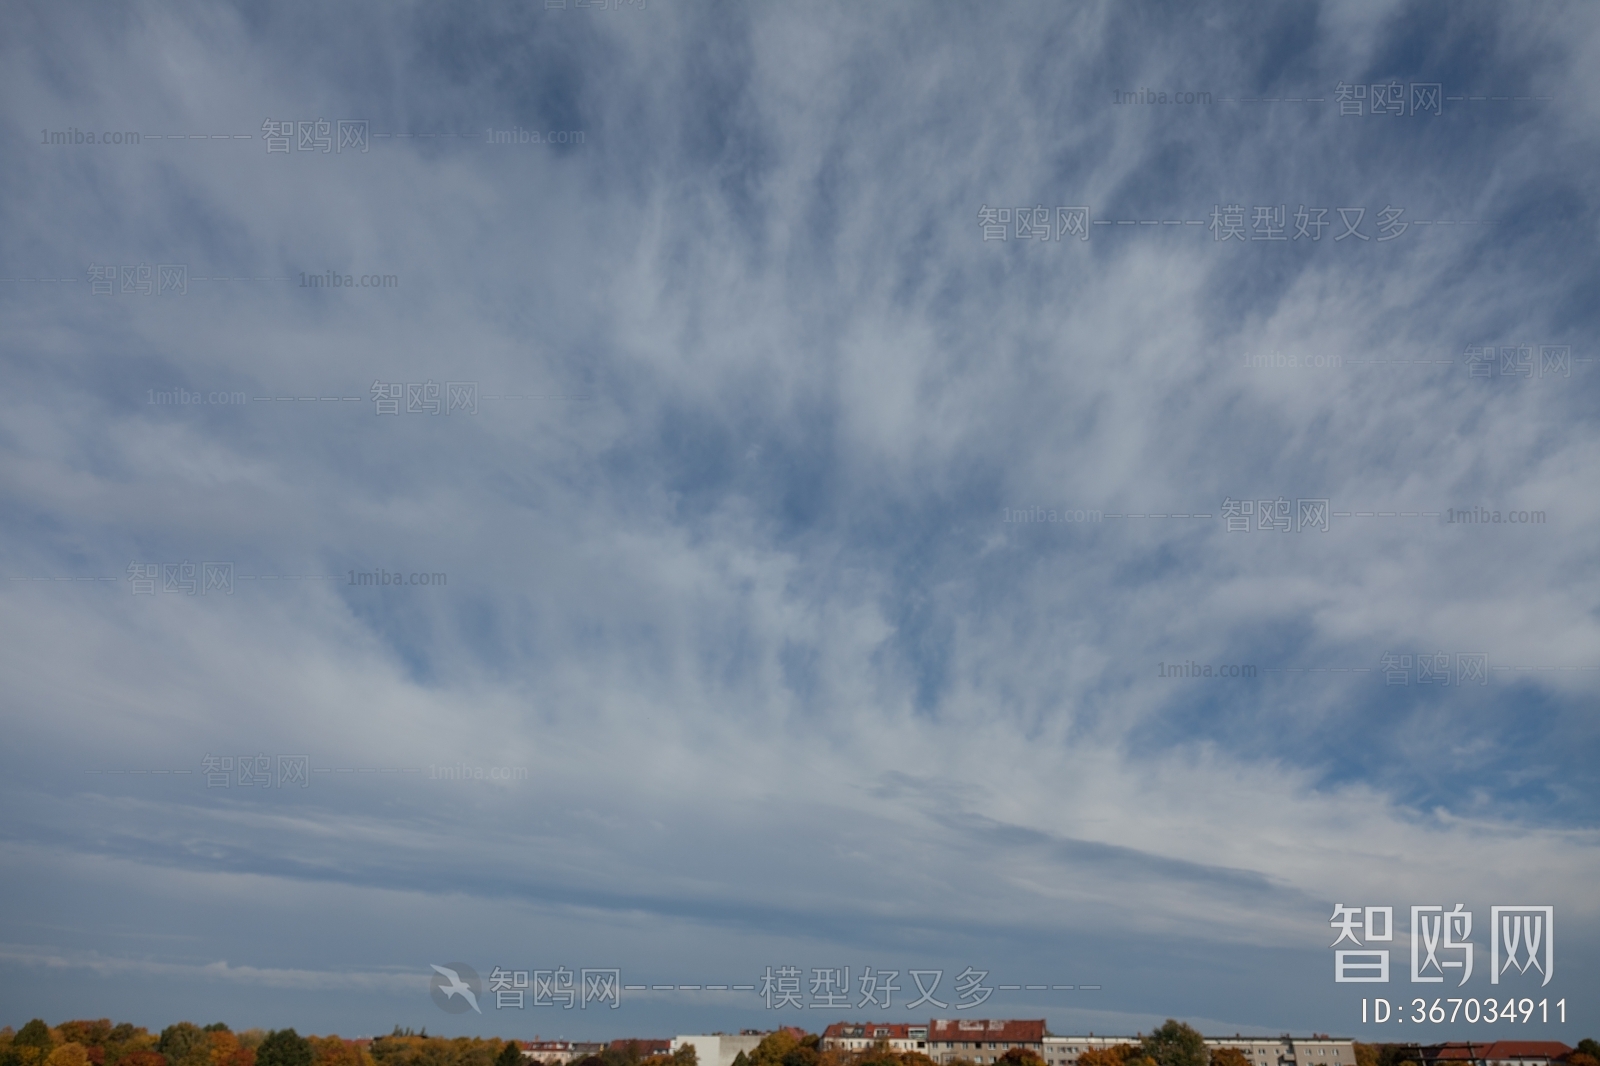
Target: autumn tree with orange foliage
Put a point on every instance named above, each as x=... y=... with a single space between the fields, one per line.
x=1021 y=1056
x=334 y=1051
x=879 y=1054
x=1116 y=1055
x=226 y=1050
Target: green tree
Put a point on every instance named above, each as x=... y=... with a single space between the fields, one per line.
x=284 y=1047
x=35 y=1034
x=32 y=1044
x=126 y=1041
x=1589 y=1046
x=1176 y=1044
x=185 y=1044
x=688 y=1056
x=403 y=1048
x=1396 y=1054
x=510 y=1055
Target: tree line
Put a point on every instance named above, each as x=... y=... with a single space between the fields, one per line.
x=100 y=1043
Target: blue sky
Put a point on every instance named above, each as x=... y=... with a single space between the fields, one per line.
x=739 y=394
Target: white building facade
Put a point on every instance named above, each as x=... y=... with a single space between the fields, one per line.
x=718 y=1049
x=1257 y=1050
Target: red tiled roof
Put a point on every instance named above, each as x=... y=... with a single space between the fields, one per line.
x=1499 y=1049
x=868 y=1031
x=1524 y=1049
x=969 y=1030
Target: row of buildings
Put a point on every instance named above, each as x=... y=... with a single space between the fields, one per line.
x=561 y=1052
x=985 y=1041
x=1490 y=1053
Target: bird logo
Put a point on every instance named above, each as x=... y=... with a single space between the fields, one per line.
x=448 y=984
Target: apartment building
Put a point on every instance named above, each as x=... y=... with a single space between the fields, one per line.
x=1316 y=1050
x=859 y=1036
x=982 y=1040
x=1286 y=1050
x=548 y=1052
x=1064 y=1050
